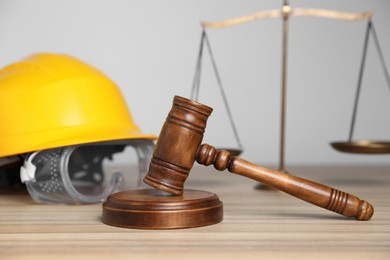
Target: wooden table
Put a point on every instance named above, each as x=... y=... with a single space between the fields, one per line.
x=257 y=223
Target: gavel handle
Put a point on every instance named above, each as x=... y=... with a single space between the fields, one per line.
x=315 y=193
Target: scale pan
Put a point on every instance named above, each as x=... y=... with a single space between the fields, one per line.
x=363 y=147
x=232 y=151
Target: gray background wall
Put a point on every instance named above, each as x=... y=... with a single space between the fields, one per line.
x=149 y=48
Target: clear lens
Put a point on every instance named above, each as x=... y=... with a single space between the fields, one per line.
x=89 y=173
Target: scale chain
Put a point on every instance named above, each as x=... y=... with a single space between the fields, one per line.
x=380 y=54
x=196 y=82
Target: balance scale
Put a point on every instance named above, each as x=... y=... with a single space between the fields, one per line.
x=349 y=146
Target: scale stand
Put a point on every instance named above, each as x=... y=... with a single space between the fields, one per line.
x=286 y=12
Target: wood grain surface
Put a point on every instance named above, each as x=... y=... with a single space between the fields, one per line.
x=257 y=223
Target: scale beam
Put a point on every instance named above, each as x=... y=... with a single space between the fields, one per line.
x=275 y=13
x=330 y=14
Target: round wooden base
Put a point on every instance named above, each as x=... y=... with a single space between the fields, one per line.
x=154 y=209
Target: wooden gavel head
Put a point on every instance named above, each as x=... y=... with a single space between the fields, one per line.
x=177 y=145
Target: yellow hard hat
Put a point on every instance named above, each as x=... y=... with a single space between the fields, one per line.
x=53 y=100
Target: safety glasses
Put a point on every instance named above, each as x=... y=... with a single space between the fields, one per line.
x=86 y=173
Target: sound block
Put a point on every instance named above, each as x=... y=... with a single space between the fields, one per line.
x=154 y=209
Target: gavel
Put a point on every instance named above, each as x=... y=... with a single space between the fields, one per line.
x=179 y=145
